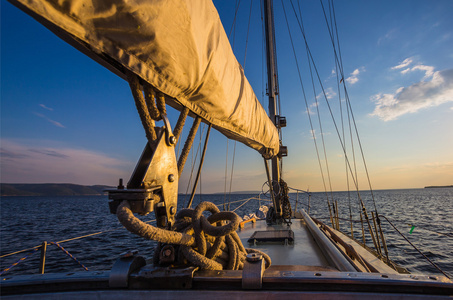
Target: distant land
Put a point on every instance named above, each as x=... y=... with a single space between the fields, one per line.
x=69 y=189
x=64 y=189
x=50 y=189
x=438 y=186
x=240 y=193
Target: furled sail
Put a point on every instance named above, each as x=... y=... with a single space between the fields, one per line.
x=178 y=46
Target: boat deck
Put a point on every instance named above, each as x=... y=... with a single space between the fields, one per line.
x=304 y=251
x=299 y=269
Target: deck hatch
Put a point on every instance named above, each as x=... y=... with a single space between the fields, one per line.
x=273 y=236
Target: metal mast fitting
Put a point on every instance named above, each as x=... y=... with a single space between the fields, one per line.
x=154 y=184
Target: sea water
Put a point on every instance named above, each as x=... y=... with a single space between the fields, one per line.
x=423 y=216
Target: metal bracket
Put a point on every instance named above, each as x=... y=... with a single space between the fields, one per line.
x=154 y=184
x=169 y=137
x=253 y=271
x=123 y=267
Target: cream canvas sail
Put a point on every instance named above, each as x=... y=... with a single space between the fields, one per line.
x=178 y=46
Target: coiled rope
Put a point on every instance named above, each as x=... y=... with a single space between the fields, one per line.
x=210 y=247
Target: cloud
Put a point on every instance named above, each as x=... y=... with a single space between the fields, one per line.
x=22 y=163
x=438 y=89
x=388 y=36
x=404 y=64
x=332 y=75
x=354 y=75
x=329 y=92
x=49 y=152
x=429 y=70
x=438 y=165
x=58 y=124
x=45 y=107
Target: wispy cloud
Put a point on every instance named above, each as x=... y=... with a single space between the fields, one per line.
x=434 y=89
x=332 y=75
x=388 y=36
x=403 y=64
x=354 y=75
x=329 y=94
x=45 y=107
x=58 y=124
x=49 y=152
x=429 y=70
x=438 y=165
x=22 y=163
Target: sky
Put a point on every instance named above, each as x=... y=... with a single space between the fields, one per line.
x=66 y=119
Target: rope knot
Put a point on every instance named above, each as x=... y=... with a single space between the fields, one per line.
x=210 y=243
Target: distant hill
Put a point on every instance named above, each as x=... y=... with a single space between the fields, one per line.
x=438 y=186
x=241 y=193
x=50 y=189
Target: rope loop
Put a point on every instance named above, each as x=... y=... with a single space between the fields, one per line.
x=210 y=243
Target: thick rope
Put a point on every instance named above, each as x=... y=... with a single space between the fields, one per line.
x=147 y=121
x=188 y=145
x=134 y=225
x=150 y=96
x=210 y=243
x=180 y=123
x=160 y=100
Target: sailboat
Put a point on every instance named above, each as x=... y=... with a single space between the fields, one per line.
x=188 y=64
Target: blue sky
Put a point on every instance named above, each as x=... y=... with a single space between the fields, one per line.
x=64 y=118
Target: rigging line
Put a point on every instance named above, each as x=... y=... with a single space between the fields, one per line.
x=226 y=175
x=320 y=128
x=263 y=47
x=328 y=104
x=341 y=115
x=193 y=166
x=432 y=263
x=277 y=87
x=245 y=202
x=338 y=39
x=194 y=189
x=362 y=153
x=248 y=30
x=202 y=157
x=233 y=26
x=352 y=141
x=69 y=240
x=336 y=127
x=247 y=199
x=231 y=178
x=308 y=110
x=298 y=190
x=340 y=62
x=319 y=119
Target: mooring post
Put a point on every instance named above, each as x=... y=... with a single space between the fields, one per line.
x=43 y=257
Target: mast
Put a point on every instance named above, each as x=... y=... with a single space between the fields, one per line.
x=272 y=82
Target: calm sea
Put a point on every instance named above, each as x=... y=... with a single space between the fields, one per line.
x=28 y=221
